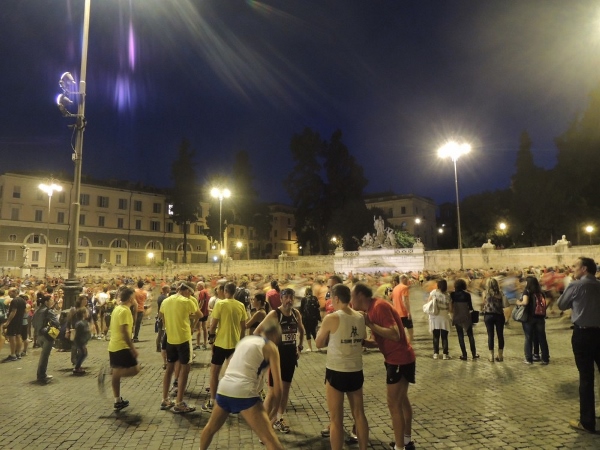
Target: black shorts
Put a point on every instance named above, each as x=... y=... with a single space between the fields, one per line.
x=288 y=365
x=345 y=381
x=408 y=323
x=122 y=359
x=219 y=355
x=311 y=330
x=24 y=332
x=204 y=319
x=14 y=328
x=179 y=352
x=395 y=373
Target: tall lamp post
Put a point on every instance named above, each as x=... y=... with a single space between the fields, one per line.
x=455 y=150
x=49 y=189
x=220 y=194
x=589 y=230
x=72 y=286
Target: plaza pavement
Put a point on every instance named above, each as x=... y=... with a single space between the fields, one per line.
x=457 y=404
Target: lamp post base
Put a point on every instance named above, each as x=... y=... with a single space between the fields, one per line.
x=72 y=289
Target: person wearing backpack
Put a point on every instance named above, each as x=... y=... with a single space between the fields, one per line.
x=535 y=302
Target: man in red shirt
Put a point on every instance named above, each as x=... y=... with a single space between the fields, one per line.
x=388 y=332
x=402 y=303
x=203 y=298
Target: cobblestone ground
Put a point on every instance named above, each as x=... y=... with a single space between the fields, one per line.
x=457 y=404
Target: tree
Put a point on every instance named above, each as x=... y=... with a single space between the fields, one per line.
x=184 y=195
x=245 y=201
x=306 y=189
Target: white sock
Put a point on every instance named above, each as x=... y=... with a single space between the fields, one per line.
x=117 y=399
x=407 y=439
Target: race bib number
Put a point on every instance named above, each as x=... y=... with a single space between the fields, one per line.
x=288 y=337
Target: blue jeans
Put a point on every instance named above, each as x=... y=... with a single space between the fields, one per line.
x=46 y=345
x=535 y=325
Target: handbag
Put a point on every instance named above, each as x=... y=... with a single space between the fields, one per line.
x=474 y=316
x=431 y=307
x=520 y=313
x=50 y=332
x=72 y=333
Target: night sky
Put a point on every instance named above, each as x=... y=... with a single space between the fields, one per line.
x=398 y=78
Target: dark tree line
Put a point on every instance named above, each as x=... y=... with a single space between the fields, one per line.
x=543 y=204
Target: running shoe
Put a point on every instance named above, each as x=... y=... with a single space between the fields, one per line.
x=281 y=426
x=183 y=408
x=121 y=404
x=207 y=407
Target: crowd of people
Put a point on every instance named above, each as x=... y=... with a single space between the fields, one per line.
x=257 y=326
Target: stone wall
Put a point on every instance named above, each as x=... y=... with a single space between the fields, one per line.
x=550 y=255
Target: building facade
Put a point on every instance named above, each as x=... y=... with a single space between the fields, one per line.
x=412 y=213
x=120 y=224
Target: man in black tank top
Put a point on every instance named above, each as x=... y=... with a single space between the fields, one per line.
x=290 y=347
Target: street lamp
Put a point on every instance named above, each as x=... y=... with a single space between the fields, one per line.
x=455 y=150
x=49 y=189
x=72 y=287
x=502 y=226
x=589 y=230
x=151 y=257
x=220 y=194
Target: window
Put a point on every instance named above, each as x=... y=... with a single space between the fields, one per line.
x=187 y=228
x=35 y=256
x=241 y=232
x=117 y=244
x=84 y=199
x=137 y=205
x=81 y=219
x=119 y=222
x=61 y=197
x=11 y=255
x=155 y=225
x=169 y=227
x=16 y=191
x=153 y=245
x=156 y=208
x=82 y=242
x=118 y=259
x=199 y=229
x=34 y=239
x=14 y=214
x=100 y=258
x=58 y=256
x=122 y=203
x=100 y=221
x=100 y=243
x=289 y=235
x=170 y=246
x=403 y=210
x=12 y=237
x=274 y=233
x=38 y=215
x=81 y=258
x=58 y=241
x=138 y=224
x=136 y=245
x=391 y=212
x=60 y=217
x=198 y=248
x=102 y=202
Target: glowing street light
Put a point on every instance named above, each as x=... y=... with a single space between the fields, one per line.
x=502 y=226
x=220 y=194
x=589 y=230
x=454 y=150
x=49 y=189
x=151 y=257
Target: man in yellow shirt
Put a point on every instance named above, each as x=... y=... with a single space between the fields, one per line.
x=230 y=316
x=176 y=313
x=121 y=351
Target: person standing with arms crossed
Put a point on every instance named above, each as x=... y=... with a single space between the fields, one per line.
x=388 y=332
x=582 y=295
